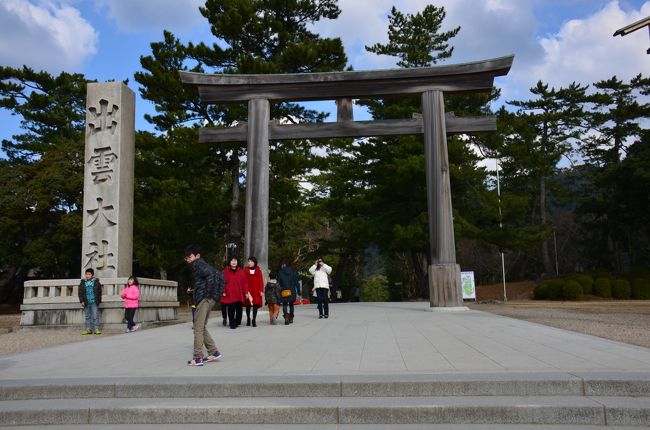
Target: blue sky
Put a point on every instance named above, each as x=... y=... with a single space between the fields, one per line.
x=557 y=41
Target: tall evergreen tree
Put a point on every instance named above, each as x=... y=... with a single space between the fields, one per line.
x=416 y=39
x=252 y=36
x=42 y=176
x=616 y=118
x=376 y=188
x=555 y=120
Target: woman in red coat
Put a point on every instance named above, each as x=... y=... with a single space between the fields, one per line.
x=255 y=283
x=234 y=292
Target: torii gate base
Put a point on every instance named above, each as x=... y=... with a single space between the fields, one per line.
x=259 y=90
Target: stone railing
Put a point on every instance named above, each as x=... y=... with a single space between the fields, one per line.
x=55 y=302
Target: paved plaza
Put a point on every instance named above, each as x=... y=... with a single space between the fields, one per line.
x=358 y=339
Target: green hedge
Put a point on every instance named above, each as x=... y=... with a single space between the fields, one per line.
x=603 y=288
x=641 y=288
x=586 y=282
x=541 y=291
x=549 y=290
x=572 y=290
x=621 y=289
x=556 y=289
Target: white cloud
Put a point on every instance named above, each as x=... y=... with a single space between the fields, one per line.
x=46 y=35
x=148 y=15
x=490 y=28
x=584 y=50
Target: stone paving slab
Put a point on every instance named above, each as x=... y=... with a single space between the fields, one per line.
x=357 y=339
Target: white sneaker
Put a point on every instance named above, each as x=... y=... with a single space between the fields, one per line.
x=135 y=327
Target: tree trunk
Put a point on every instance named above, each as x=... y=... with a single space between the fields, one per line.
x=235 y=228
x=338 y=273
x=546 y=258
x=7 y=284
x=420 y=266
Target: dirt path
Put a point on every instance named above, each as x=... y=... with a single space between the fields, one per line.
x=624 y=321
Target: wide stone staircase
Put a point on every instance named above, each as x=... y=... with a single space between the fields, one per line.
x=435 y=401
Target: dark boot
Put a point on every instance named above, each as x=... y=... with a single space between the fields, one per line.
x=254 y=323
x=248 y=322
x=286 y=319
x=290 y=318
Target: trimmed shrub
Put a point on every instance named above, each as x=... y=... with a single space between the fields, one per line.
x=603 y=288
x=586 y=282
x=572 y=290
x=552 y=289
x=621 y=289
x=555 y=288
x=641 y=289
x=541 y=291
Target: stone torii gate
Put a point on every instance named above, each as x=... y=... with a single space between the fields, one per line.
x=430 y=82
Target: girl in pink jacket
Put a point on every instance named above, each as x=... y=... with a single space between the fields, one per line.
x=130 y=294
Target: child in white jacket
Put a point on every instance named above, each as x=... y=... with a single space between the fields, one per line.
x=319 y=271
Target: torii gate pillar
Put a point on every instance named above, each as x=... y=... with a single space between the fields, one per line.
x=444 y=274
x=257 y=183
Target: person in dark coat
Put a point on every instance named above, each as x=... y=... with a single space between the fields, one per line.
x=289 y=286
x=208 y=283
x=235 y=292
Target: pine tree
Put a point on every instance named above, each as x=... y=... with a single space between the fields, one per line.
x=251 y=36
x=42 y=175
x=616 y=120
x=416 y=38
x=555 y=120
x=376 y=188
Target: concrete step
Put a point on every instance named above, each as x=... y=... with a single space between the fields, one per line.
x=322 y=427
x=436 y=385
x=557 y=410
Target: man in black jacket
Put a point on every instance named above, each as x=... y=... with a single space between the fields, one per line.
x=208 y=283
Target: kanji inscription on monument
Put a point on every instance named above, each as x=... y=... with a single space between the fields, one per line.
x=108 y=180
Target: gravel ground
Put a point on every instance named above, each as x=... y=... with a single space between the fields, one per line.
x=624 y=321
x=14 y=340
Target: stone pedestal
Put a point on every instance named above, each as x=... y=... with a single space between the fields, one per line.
x=55 y=303
x=108 y=180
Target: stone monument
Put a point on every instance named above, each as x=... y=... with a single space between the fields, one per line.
x=108 y=180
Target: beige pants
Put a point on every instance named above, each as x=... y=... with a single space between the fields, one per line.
x=201 y=335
